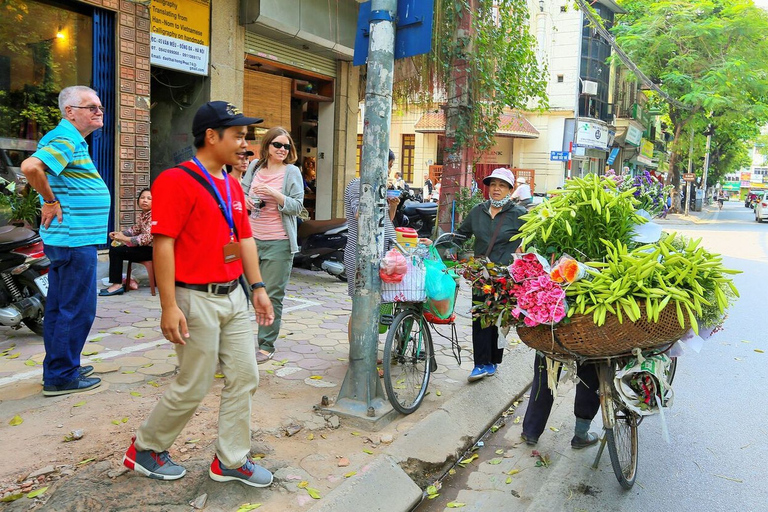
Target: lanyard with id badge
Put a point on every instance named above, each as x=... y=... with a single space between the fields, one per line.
x=231 y=249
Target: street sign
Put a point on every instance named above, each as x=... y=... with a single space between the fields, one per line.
x=612 y=156
x=559 y=156
x=689 y=176
x=413 y=29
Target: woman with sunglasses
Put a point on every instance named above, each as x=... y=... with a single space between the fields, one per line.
x=274 y=191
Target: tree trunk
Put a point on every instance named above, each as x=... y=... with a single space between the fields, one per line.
x=457 y=163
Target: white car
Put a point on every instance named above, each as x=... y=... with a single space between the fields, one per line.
x=761 y=207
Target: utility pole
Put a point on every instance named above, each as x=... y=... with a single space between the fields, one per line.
x=457 y=166
x=361 y=397
x=690 y=170
x=709 y=132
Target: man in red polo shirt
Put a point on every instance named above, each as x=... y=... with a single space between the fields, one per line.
x=202 y=244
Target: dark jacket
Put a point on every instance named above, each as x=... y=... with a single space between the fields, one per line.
x=480 y=224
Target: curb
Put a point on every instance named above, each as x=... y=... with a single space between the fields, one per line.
x=390 y=483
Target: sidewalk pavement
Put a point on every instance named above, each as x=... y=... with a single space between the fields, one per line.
x=351 y=469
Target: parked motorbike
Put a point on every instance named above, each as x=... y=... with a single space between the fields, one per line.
x=415 y=214
x=23 y=278
x=322 y=245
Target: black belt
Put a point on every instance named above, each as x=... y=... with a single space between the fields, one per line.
x=214 y=288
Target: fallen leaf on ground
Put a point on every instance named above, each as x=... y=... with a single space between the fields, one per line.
x=139 y=336
x=29 y=362
x=759 y=351
x=14 y=356
x=731 y=479
x=438 y=393
x=129 y=371
x=91 y=353
x=147 y=365
x=79 y=404
x=509 y=480
x=16 y=420
x=37 y=492
x=499 y=452
x=513 y=471
x=94 y=340
x=316 y=377
x=494 y=462
x=85 y=461
x=124 y=419
x=218 y=376
x=135 y=393
x=153 y=384
x=369 y=452
x=271 y=371
x=351 y=473
x=469 y=459
x=313 y=493
x=355 y=433
x=553 y=429
x=455 y=504
x=12 y=497
x=517 y=420
x=246 y=507
x=302 y=484
x=310 y=437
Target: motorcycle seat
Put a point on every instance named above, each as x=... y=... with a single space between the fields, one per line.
x=312 y=227
x=12 y=235
x=411 y=208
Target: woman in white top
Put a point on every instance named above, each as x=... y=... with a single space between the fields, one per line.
x=523 y=192
x=274 y=191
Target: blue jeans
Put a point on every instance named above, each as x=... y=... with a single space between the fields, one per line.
x=70 y=309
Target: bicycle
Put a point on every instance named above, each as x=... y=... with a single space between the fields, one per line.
x=409 y=355
x=620 y=423
x=607 y=348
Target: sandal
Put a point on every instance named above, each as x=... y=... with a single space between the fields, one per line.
x=262 y=356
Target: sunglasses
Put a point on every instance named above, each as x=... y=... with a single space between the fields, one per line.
x=280 y=145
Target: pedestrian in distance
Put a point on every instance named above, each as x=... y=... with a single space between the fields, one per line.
x=238 y=171
x=133 y=244
x=522 y=193
x=493 y=223
x=274 y=194
x=585 y=405
x=203 y=243
x=74 y=216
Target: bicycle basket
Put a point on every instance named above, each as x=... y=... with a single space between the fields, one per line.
x=411 y=288
x=583 y=338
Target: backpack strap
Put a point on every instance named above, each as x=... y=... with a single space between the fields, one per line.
x=207 y=186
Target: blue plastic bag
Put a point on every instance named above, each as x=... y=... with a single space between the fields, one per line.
x=440 y=285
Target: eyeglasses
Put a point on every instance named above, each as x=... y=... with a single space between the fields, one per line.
x=280 y=145
x=92 y=108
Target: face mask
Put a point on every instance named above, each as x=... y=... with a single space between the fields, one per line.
x=501 y=202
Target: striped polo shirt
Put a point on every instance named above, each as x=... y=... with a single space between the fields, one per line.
x=76 y=183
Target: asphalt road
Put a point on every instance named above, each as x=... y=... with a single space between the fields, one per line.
x=718 y=425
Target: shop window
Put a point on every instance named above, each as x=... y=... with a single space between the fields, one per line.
x=408 y=156
x=359 y=154
x=44 y=47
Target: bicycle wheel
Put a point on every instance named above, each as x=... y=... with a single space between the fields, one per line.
x=671 y=370
x=620 y=430
x=407 y=356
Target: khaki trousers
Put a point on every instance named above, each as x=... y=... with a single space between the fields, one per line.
x=219 y=332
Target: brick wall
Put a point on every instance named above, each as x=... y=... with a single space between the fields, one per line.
x=132 y=94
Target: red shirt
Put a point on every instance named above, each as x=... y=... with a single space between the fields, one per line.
x=182 y=209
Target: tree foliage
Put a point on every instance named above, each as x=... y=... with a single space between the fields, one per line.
x=710 y=55
x=501 y=66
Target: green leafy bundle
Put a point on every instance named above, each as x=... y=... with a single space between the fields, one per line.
x=575 y=219
x=656 y=276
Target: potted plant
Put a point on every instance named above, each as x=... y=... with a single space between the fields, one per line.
x=22 y=208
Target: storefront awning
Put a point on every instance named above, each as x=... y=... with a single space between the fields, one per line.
x=510 y=125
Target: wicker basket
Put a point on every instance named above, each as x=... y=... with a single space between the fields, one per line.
x=581 y=337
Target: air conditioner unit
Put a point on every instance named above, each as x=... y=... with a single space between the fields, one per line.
x=589 y=87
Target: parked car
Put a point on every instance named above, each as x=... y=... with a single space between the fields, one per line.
x=12 y=153
x=761 y=207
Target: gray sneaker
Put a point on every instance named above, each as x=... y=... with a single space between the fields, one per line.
x=151 y=464
x=249 y=473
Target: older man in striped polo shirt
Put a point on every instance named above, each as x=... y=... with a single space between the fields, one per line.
x=75 y=212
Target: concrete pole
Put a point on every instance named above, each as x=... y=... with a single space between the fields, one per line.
x=706 y=163
x=361 y=396
x=690 y=170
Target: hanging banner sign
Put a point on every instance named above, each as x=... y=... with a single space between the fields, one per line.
x=646 y=152
x=612 y=156
x=591 y=135
x=180 y=36
x=634 y=135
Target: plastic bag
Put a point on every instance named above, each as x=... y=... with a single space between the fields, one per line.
x=440 y=286
x=393 y=267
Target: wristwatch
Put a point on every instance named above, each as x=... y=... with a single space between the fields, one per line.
x=255 y=286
